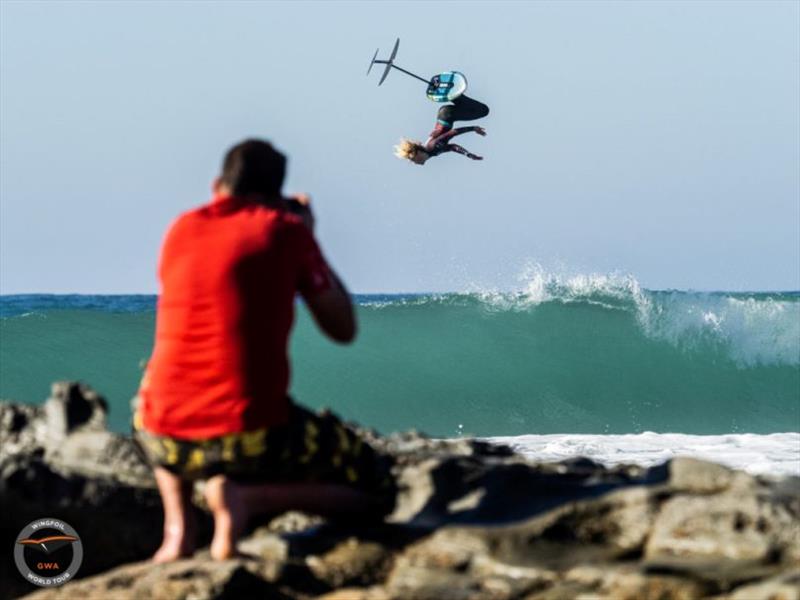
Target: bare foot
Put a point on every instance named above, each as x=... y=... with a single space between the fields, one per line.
x=170 y=553
x=175 y=545
x=223 y=546
x=227 y=553
x=179 y=525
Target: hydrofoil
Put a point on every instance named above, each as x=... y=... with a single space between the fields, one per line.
x=442 y=87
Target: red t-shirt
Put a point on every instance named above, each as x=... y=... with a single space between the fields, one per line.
x=229 y=273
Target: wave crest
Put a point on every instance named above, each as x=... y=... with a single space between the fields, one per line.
x=751 y=328
x=539 y=286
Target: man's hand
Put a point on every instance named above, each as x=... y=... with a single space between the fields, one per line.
x=480 y=130
x=300 y=204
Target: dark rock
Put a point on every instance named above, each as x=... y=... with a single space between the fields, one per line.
x=472 y=521
x=197 y=579
x=59 y=461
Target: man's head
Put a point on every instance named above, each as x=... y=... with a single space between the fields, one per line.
x=252 y=167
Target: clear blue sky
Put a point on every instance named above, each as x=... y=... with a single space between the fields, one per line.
x=658 y=139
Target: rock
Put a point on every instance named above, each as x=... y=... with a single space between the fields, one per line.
x=635 y=585
x=782 y=587
x=698 y=477
x=294 y=522
x=186 y=579
x=472 y=521
x=69 y=433
x=443 y=489
x=733 y=527
x=375 y=593
x=118 y=523
x=59 y=461
x=20 y=428
x=73 y=406
x=352 y=562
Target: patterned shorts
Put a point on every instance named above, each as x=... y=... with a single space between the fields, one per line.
x=311 y=447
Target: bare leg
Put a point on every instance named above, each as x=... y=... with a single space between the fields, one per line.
x=230 y=515
x=179 y=525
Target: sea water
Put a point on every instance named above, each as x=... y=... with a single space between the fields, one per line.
x=586 y=365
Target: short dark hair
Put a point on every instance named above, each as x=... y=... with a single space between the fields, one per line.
x=253 y=167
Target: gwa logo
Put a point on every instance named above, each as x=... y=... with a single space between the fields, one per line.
x=48 y=552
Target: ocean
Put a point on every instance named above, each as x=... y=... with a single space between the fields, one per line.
x=586 y=365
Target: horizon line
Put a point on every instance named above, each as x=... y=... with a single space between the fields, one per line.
x=427 y=293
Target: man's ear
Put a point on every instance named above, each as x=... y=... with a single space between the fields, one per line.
x=216 y=185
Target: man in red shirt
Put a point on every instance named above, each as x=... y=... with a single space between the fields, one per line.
x=213 y=401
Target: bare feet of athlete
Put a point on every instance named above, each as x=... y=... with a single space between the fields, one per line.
x=179 y=524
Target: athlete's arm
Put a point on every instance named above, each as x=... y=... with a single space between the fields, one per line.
x=333 y=311
x=464 y=151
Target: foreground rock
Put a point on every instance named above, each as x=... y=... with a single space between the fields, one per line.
x=472 y=521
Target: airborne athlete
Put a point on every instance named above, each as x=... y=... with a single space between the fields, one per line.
x=448 y=86
x=462 y=109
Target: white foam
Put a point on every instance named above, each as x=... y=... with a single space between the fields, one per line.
x=753 y=329
x=762 y=331
x=775 y=454
x=538 y=285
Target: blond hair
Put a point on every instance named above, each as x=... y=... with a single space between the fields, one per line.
x=407 y=148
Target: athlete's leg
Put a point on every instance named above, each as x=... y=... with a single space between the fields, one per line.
x=465 y=108
x=179 y=525
x=445 y=116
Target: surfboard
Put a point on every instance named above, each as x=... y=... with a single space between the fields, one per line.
x=446 y=86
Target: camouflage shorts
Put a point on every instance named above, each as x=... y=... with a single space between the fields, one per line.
x=310 y=447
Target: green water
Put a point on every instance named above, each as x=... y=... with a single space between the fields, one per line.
x=463 y=365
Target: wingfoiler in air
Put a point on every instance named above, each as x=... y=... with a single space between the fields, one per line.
x=446 y=87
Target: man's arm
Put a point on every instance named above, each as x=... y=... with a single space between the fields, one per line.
x=332 y=307
x=333 y=311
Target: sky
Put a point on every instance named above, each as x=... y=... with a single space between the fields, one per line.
x=657 y=139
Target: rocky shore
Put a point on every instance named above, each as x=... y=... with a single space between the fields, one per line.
x=472 y=521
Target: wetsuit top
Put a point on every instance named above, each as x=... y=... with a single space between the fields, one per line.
x=437 y=143
x=229 y=272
